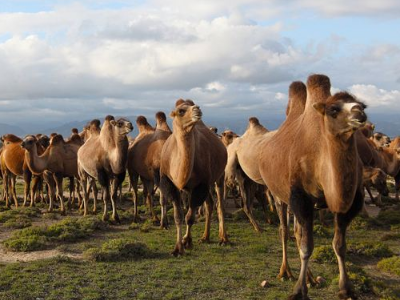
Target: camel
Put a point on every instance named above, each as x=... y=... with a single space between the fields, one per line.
x=395 y=143
x=13 y=164
x=243 y=153
x=321 y=168
x=385 y=158
x=375 y=177
x=104 y=158
x=227 y=137
x=192 y=160
x=58 y=161
x=380 y=139
x=144 y=160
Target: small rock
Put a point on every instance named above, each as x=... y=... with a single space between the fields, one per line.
x=264 y=284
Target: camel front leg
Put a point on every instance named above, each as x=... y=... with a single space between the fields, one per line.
x=178 y=217
x=34 y=189
x=6 y=186
x=149 y=187
x=13 y=180
x=48 y=177
x=281 y=209
x=190 y=218
x=95 y=192
x=114 y=197
x=223 y=237
x=164 y=217
x=339 y=245
x=27 y=185
x=133 y=179
x=207 y=226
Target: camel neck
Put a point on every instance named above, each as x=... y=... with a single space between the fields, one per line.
x=185 y=153
x=119 y=155
x=37 y=164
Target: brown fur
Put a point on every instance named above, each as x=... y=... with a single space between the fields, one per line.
x=192 y=160
x=380 y=139
x=104 y=158
x=375 y=177
x=144 y=160
x=395 y=143
x=322 y=165
x=227 y=137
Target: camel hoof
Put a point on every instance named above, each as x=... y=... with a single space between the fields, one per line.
x=116 y=219
x=347 y=295
x=105 y=218
x=204 y=240
x=224 y=242
x=188 y=243
x=298 y=297
x=285 y=276
x=178 y=251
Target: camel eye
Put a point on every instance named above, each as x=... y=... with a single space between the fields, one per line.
x=119 y=124
x=181 y=112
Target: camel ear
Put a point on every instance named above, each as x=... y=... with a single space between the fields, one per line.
x=172 y=114
x=112 y=122
x=223 y=134
x=320 y=107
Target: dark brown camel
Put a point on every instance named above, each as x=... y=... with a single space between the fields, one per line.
x=321 y=168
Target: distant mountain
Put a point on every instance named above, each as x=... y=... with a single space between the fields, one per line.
x=5 y=129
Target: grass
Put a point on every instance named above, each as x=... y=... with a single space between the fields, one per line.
x=133 y=261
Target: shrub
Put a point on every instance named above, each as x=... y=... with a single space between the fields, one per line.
x=360 y=280
x=324 y=254
x=117 y=250
x=391 y=265
x=321 y=231
x=371 y=249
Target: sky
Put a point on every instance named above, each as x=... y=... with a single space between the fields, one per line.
x=63 y=61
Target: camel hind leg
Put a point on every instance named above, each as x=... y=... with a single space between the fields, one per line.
x=27 y=186
x=59 y=191
x=208 y=210
x=13 y=180
x=133 y=179
x=149 y=185
x=116 y=184
x=219 y=189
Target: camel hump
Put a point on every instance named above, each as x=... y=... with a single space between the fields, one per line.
x=11 y=138
x=181 y=101
x=58 y=138
x=318 y=88
x=254 y=121
x=109 y=118
x=95 y=123
x=76 y=139
x=74 y=130
x=297 y=90
x=142 y=121
x=213 y=129
x=160 y=116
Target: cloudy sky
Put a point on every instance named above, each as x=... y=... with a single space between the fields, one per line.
x=62 y=61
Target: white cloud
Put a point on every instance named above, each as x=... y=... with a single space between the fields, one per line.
x=376 y=97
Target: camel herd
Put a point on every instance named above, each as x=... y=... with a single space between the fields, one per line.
x=321 y=157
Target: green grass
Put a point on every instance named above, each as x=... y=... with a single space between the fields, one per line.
x=391 y=265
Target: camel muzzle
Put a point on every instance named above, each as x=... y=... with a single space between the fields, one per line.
x=358 y=118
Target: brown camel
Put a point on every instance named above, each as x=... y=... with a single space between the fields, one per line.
x=227 y=137
x=243 y=154
x=192 y=160
x=321 y=168
x=13 y=164
x=395 y=143
x=58 y=161
x=144 y=160
x=104 y=158
x=380 y=139
x=375 y=177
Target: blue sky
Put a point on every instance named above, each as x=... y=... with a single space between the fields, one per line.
x=76 y=60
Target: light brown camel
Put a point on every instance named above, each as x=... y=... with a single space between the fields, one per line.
x=243 y=155
x=192 y=160
x=104 y=158
x=395 y=143
x=58 y=161
x=144 y=160
x=13 y=164
x=321 y=167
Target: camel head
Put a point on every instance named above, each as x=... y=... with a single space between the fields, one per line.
x=228 y=136
x=28 y=142
x=343 y=114
x=380 y=139
x=10 y=139
x=43 y=140
x=368 y=129
x=121 y=127
x=186 y=115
